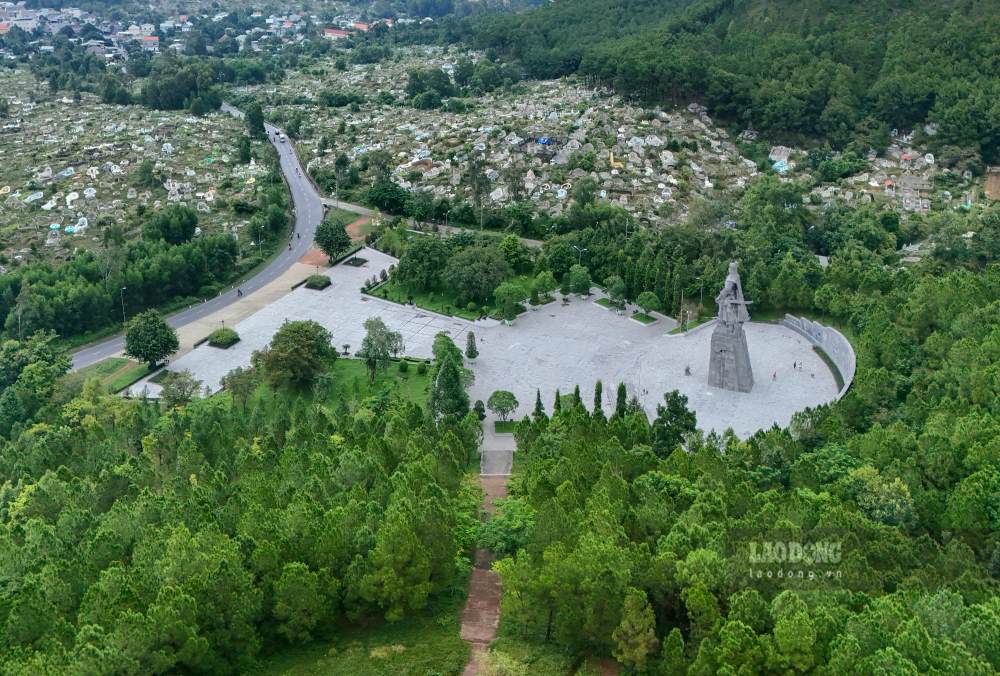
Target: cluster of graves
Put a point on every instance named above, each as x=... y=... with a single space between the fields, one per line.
x=534 y=142
x=72 y=169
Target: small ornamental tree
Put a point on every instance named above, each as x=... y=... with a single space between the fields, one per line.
x=539 y=411
x=615 y=286
x=579 y=280
x=503 y=403
x=565 y=286
x=149 y=338
x=379 y=346
x=545 y=283
x=471 y=351
x=179 y=389
x=332 y=238
x=648 y=301
x=621 y=400
x=448 y=395
x=507 y=296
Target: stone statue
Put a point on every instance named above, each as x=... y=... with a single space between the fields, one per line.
x=729 y=363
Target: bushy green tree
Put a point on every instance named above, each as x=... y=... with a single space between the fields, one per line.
x=332 y=237
x=379 y=346
x=149 y=338
x=503 y=403
x=298 y=353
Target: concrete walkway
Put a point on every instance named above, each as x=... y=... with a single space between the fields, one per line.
x=231 y=315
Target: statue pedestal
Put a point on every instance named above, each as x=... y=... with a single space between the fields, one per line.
x=729 y=364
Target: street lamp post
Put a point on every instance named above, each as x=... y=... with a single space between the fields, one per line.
x=579 y=251
x=123 y=306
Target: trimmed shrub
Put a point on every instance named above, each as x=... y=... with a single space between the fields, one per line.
x=404 y=366
x=318 y=282
x=421 y=368
x=224 y=338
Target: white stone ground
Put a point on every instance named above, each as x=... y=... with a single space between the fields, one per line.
x=552 y=347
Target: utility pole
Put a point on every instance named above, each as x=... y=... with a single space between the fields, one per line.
x=123 y=307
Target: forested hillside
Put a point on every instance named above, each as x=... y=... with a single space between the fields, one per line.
x=622 y=542
x=135 y=540
x=845 y=71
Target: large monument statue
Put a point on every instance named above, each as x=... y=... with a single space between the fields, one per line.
x=729 y=365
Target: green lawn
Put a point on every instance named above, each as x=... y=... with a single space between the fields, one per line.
x=604 y=302
x=505 y=426
x=350 y=380
x=443 y=302
x=424 y=644
x=341 y=216
x=114 y=373
x=643 y=317
x=435 y=301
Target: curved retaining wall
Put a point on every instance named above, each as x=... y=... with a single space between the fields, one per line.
x=831 y=341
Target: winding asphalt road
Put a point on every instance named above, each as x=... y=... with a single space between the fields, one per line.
x=308 y=209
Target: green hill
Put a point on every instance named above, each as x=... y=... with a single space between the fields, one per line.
x=841 y=70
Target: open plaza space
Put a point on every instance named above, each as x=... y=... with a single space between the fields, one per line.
x=555 y=346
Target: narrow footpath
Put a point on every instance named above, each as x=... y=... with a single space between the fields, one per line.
x=481 y=616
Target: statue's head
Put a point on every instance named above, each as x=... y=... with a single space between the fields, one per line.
x=732 y=268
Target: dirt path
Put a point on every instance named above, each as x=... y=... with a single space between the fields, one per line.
x=481 y=616
x=356 y=229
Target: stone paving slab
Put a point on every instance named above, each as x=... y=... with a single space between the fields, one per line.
x=496 y=463
x=560 y=346
x=341 y=308
x=555 y=346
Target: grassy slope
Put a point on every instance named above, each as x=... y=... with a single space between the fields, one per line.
x=114 y=373
x=441 y=302
x=350 y=378
x=428 y=644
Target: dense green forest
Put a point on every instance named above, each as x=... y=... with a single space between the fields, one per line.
x=844 y=71
x=141 y=540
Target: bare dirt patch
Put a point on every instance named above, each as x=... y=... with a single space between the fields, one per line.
x=356 y=229
x=993 y=185
x=315 y=257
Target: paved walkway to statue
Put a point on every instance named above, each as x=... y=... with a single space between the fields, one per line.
x=555 y=346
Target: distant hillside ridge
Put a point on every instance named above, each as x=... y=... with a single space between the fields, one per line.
x=843 y=71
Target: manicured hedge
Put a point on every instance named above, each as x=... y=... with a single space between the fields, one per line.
x=318 y=282
x=224 y=338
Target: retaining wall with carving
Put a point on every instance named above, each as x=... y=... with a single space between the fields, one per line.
x=831 y=341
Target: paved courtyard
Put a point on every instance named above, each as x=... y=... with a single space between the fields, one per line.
x=562 y=346
x=551 y=347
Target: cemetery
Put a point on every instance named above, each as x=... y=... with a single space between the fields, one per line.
x=73 y=168
x=537 y=139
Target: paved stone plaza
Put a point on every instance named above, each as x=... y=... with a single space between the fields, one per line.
x=552 y=347
x=341 y=308
x=561 y=346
